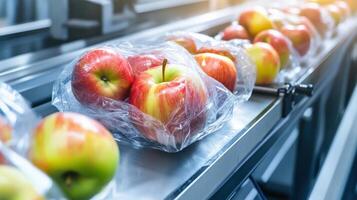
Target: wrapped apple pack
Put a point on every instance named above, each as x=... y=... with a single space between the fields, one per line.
x=16 y=117
x=23 y=180
x=318 y=15
x=149 y=96
x=284 y=71
x=226 y=63
x=303 y=35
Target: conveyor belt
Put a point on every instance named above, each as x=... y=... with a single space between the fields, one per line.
x=203 y=167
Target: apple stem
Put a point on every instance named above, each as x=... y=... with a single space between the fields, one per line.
x=68 y=181
x=164 y=63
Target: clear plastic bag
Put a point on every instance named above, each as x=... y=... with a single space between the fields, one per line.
x=17 y=120
x=242 y=82
x=199 y=107
x=289 y=70
x=288 y=24
x=19 y=117
x=322 y=21
x=30 y=182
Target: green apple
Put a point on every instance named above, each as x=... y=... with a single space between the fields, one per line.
x=15 y=186
x=78 y=153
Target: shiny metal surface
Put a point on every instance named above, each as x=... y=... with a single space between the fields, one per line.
x=336 y=168
x=146 y=6
x=25 y=27
x=200 y=169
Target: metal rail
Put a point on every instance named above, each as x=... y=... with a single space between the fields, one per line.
x=25 y=28
x=336 y=168
x=200 y=169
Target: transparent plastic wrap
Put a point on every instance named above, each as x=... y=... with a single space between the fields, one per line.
x=191 y=41
x=22 y=180
x=304 y=37
x=319 y=17
x=225 y=62
x=234 y=31
x=167 y=107
x=17 y=120
x=289 y=59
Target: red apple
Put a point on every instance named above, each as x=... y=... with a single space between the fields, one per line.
x=278 y=41
x=313 y=12
x=218 y=67
x=235 y=31
x=299 y=36
x=101 y=73
x=186 y=42
x=140 y=63
x=175 y=96
x=266 y=60
x=217 y=50
x=78 y=153
x=303 y=21
x=255 y=20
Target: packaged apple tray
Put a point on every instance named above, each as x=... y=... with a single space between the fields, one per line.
x=153 y=95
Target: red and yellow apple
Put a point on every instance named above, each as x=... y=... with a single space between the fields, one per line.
x=140 y=63
x=15 y=186
x=235 y=31
x=322 y=2
x=352 y=4
x=219 y=67
x=175 y=96
x=78 y=153
x=266 y=60
x=313 y=12
x=345 y=9
x=279 y=42
x=217 y=50
x=186 y=42
x=101 y=73
x=255 y=20
x=335 y=12
x=300 y=37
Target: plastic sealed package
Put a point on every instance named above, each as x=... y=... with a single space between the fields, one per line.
x=164 y=101
x=318 y=15
x=225 y=62
x=191 y=41
x=16 y=122
x=303 y=35
x=289 y=62
x=16 y=115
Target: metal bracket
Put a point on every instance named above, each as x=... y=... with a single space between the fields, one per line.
x=291 y=93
